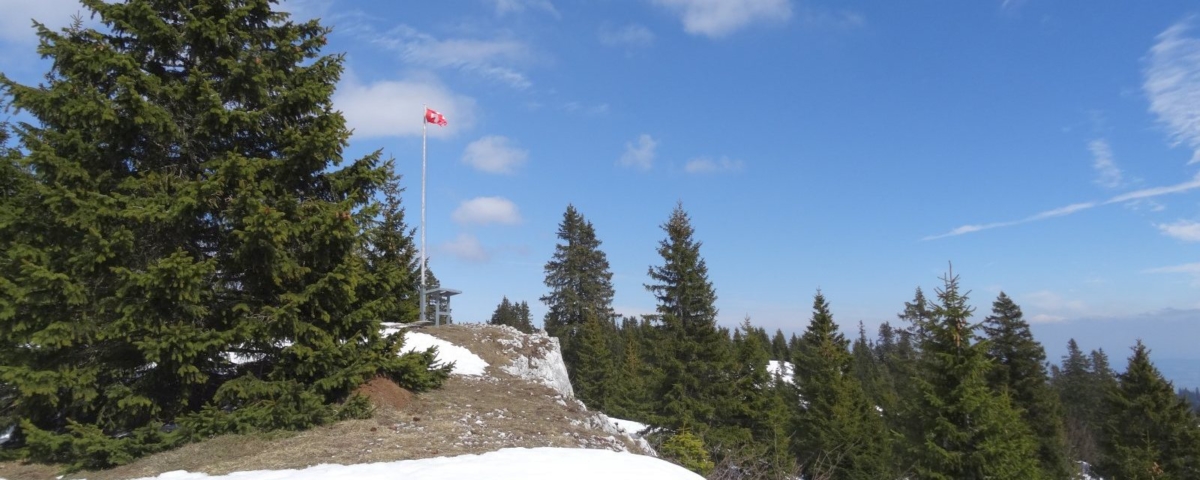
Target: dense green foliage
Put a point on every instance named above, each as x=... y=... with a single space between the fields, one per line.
x=1019 y=371
x=936 y=397
x=963 y=428
x=580 y=283
x=178 y=203
x=1150 y=433
x=515 y=315
x=843 y=432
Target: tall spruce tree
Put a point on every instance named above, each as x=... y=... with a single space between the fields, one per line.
x=693 y=354
x=840 y=433
x=779 y=347
x=869 y=370
x=1019 y=371
x=580 y=283
x=1151 y=433
x=181 y=201
x=597 y=377
x=963 y=429
x=1081 y=391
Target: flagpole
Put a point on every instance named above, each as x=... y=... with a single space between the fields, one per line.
x=424 y=125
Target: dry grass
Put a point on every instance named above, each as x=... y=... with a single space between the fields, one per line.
x=469 y=415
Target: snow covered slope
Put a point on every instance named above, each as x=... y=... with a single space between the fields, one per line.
x=506 y=464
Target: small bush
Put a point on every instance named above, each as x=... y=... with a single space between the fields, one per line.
x=687 y=450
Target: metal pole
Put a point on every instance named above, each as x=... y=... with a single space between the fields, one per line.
x=424 y=124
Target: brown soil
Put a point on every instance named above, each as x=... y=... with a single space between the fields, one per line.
x=384 y=393
x=468 y=415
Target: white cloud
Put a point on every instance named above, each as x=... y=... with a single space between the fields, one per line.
x=1172 y=83
x=395 y=108
x=708 y=165
x=632 y=35
x=1060 y=211
x=1185 y=230
x=1046 y=318
x=1107 y=173
x=303 y=10
x=494 y=154
x=1057 y=212
x=1157 y=191
x=495 y=59
x=466 y=247
x=719 y=18
x=1048 y=306
x=1134 y=196
x=815 y=18
x=577 y=107
x=16 y=25
x=504 y=7
x=487 y=210
x=1189 y=268
x=639 y=155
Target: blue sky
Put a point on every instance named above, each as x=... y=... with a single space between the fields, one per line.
x=1047 y=150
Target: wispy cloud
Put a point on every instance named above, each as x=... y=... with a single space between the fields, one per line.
x=487 y=210
x=303 y=10
x=1172 y=83
x=639 y=154
x=632 y=35
x=1107 y=173
x=1192 y=184
x=1185 y=230
x=491 y=58
x=1135 y=195
x=1049 y=306
x=465 y=247
x=504 y=7
x=1192 y=269
x=818 y=18
x=1057 y=212
x=578 y=107
x=703 y=165
x=16 y=25
x=494 y=154
x=719 y=18
x=393 y=108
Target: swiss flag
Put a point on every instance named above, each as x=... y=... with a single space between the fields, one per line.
x=432 y=116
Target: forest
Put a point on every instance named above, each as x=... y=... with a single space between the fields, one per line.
x=943 y=393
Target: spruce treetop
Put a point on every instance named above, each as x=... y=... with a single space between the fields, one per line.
x=683 y=290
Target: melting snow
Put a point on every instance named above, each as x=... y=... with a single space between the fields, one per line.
x=776 y=367
x=465 y=362
x=506 y=464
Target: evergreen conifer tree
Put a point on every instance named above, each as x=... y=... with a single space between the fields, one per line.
x=838 y=430
x=779 y=347
x=596 y=380
x=963 y=429
x=758 y=412
x=580 y=283
x=693 y=354
x=1151 y=433
x=1019 y=371
x=524 y=319
x=1081 y=390
x=869 y=370
x=182 y=202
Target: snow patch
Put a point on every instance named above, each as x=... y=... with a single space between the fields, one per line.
x=777 y=368
x=506 y=464
x=628 y=426
x=465 y=362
